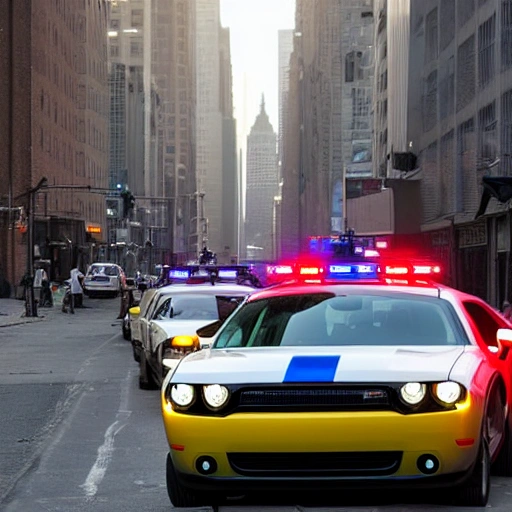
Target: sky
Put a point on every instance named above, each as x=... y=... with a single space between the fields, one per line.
x=254 y=55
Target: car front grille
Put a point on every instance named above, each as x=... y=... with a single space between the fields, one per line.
x=315 y=398
x=316 y=464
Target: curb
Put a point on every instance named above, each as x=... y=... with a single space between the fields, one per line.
x=21 y=321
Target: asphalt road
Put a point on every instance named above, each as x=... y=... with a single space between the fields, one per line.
x=77 y=435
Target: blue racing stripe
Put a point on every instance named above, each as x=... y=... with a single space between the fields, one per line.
x=312 y=369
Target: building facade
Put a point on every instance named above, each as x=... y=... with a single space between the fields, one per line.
x=230 y=198
x=284 y=48
x=459 y=119
x=54 y=110
x=391 y=84
x=152 y=80
x=332 y=64
x=209 y=119
x=262 y=187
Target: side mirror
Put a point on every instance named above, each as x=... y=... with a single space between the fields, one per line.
x=504 y=339
x=135 y=311
x=208 y=331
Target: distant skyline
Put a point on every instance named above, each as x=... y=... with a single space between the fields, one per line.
x=254 y=26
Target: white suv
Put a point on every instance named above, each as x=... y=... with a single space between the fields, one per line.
x=104 y=278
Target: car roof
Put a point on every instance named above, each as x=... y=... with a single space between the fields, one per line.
x=340 y=289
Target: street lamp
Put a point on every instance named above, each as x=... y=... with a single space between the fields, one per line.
x=30 y=303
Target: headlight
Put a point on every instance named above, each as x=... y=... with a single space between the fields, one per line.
x=448 y=392
x=215 y=395
x=413 y=392
x=182 y=394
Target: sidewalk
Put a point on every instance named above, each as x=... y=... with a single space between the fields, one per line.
x=12 y=312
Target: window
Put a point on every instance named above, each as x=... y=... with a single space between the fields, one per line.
x=135 y=48
x=197 y=307
x=486 y=324
x=466 y=73
x=487 y=133
x=506 y=33
x=137 y=18
x=353 y=70
x=325 y=319
x=431 y=36
x=465 y=184
x=447 y=23
x=486 y=57
x=506 y=133
x=430 y=102
x=447 y=89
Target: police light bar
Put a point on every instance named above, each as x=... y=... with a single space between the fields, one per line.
x=353 y=271
x=224 y=273
x=180 y=273
x=279 y=270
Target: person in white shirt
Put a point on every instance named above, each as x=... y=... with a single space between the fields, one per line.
x=77 y=291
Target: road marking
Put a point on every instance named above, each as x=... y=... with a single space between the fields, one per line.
x=106 y=450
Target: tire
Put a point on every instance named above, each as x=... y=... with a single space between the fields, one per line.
x=136 y=353
x=502 y=466
x=127 y=335
x=181 y=496
x=475 y=492
x=146 y=380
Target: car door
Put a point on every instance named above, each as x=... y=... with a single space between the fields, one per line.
x=146 y=318
x=485 y=323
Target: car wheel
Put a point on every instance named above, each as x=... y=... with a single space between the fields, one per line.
x=136 y=353
x=502 y=466
x=475 y=492
x=127 y=335
x=146 y=380
x=181 y=496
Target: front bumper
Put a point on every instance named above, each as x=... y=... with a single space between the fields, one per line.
x=412 y=435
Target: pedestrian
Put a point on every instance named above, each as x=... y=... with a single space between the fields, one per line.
x=39 y=279
x=77 y=291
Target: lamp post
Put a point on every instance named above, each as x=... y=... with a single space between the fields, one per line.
x=30 y=302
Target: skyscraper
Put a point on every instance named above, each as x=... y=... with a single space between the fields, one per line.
x=209 y=119
x=230 y=199
x=262 y=187
x=285 y=48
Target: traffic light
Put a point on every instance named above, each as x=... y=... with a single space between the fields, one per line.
x=128 y=203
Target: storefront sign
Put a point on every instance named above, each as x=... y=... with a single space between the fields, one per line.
x=472 y=235
x=94 y=229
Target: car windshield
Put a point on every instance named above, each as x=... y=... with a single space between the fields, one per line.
x=326 y=319
x=106 y=270
x=197 y=307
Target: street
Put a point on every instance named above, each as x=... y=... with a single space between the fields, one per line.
x=78 y=434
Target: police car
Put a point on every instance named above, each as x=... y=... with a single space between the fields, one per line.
x=198 y=295
x=355 y=374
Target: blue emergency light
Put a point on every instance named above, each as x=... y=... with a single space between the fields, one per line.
x=227 y=273
x=352 y=271
x=179 y=273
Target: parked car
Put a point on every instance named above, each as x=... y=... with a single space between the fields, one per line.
x=104 y=279
x=168 y=330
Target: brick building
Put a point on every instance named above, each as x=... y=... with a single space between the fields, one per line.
x=54 y=114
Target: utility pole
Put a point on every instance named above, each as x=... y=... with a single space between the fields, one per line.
x=30 y=303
